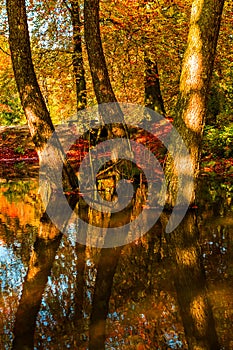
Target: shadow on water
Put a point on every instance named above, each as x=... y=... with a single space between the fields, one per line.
x=149 y=294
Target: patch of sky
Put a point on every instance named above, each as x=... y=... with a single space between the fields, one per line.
x=114 y=316
x=51 y=27
x=72 y=234
x=173 y=341
x=89 y=296
x=12 y=270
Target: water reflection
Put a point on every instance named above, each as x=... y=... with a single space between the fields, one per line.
x=75 y=297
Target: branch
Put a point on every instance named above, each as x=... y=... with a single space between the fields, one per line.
x=4 y=51
x=67 y=6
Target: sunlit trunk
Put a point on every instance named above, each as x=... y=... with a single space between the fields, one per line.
x=189 y=121
x=194 y=87
x=38 y=118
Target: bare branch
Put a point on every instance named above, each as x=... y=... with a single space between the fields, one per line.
x=4 y=51
x=67 y=6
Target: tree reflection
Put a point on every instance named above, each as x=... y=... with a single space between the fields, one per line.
x=39 y=269
x=189 y=280
x=108 y=261
x=125 y=276
x=191 y=286
x=106 y=268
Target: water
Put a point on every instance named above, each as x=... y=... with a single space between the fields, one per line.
x=143 y=308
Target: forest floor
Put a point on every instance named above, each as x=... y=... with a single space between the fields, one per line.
x=18 y=157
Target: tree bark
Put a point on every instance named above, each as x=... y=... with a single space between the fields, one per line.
x=153 y=95
x=189 y=121
x=194 y=86
x=101 y=82
x=78 y=67
x=99 y=72
x=41 y=129
x=104 y=94
x=39 y=121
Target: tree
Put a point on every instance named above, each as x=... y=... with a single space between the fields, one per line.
x=101 y=82
x=191 y=111
x=41 y=128
x=33 y=103
x=104 y=94
x=77 y=55
x=153 y=95
x=99 y=72
x=195 y=80
x=39 y=121
x=58 y=54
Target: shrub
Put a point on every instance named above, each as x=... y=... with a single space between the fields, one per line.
x=218 y=141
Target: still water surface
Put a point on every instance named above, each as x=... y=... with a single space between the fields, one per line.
x=143 y=309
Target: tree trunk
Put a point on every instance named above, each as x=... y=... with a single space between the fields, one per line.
x=189 y=121
x=99 y=72
x=39 y=121
x=78 y=57
x=194 y=86
x=153 y=95
x=41 y=129
x=101 y=82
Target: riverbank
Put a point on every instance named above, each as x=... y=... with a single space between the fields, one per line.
x=18 y=157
